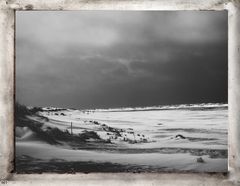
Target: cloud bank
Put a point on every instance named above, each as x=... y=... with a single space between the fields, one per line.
x=102 y=59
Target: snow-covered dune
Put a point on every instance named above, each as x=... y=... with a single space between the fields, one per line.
x=163 y=138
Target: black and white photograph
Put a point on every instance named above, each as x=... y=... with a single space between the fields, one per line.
x=121 y=91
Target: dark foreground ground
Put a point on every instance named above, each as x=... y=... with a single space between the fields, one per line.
x=29 y=165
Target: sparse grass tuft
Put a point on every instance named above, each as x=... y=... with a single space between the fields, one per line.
x=89 y=135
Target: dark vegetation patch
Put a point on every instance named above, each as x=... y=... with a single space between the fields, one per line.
x=55 y=109
x=23 y=111
x=53 y=136
x=180 y=136
x=193 y=139
x=200 y=160
x=89 y=135
x=21 y=120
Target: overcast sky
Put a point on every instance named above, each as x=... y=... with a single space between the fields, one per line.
x=102 y=59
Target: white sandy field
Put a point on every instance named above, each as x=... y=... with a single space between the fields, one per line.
x=170 y=138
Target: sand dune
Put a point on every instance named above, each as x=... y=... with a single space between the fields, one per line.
x=144 y=140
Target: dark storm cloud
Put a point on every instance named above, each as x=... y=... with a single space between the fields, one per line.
x=104 y=59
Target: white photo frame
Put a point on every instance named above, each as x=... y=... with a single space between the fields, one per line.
x=7 y=93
